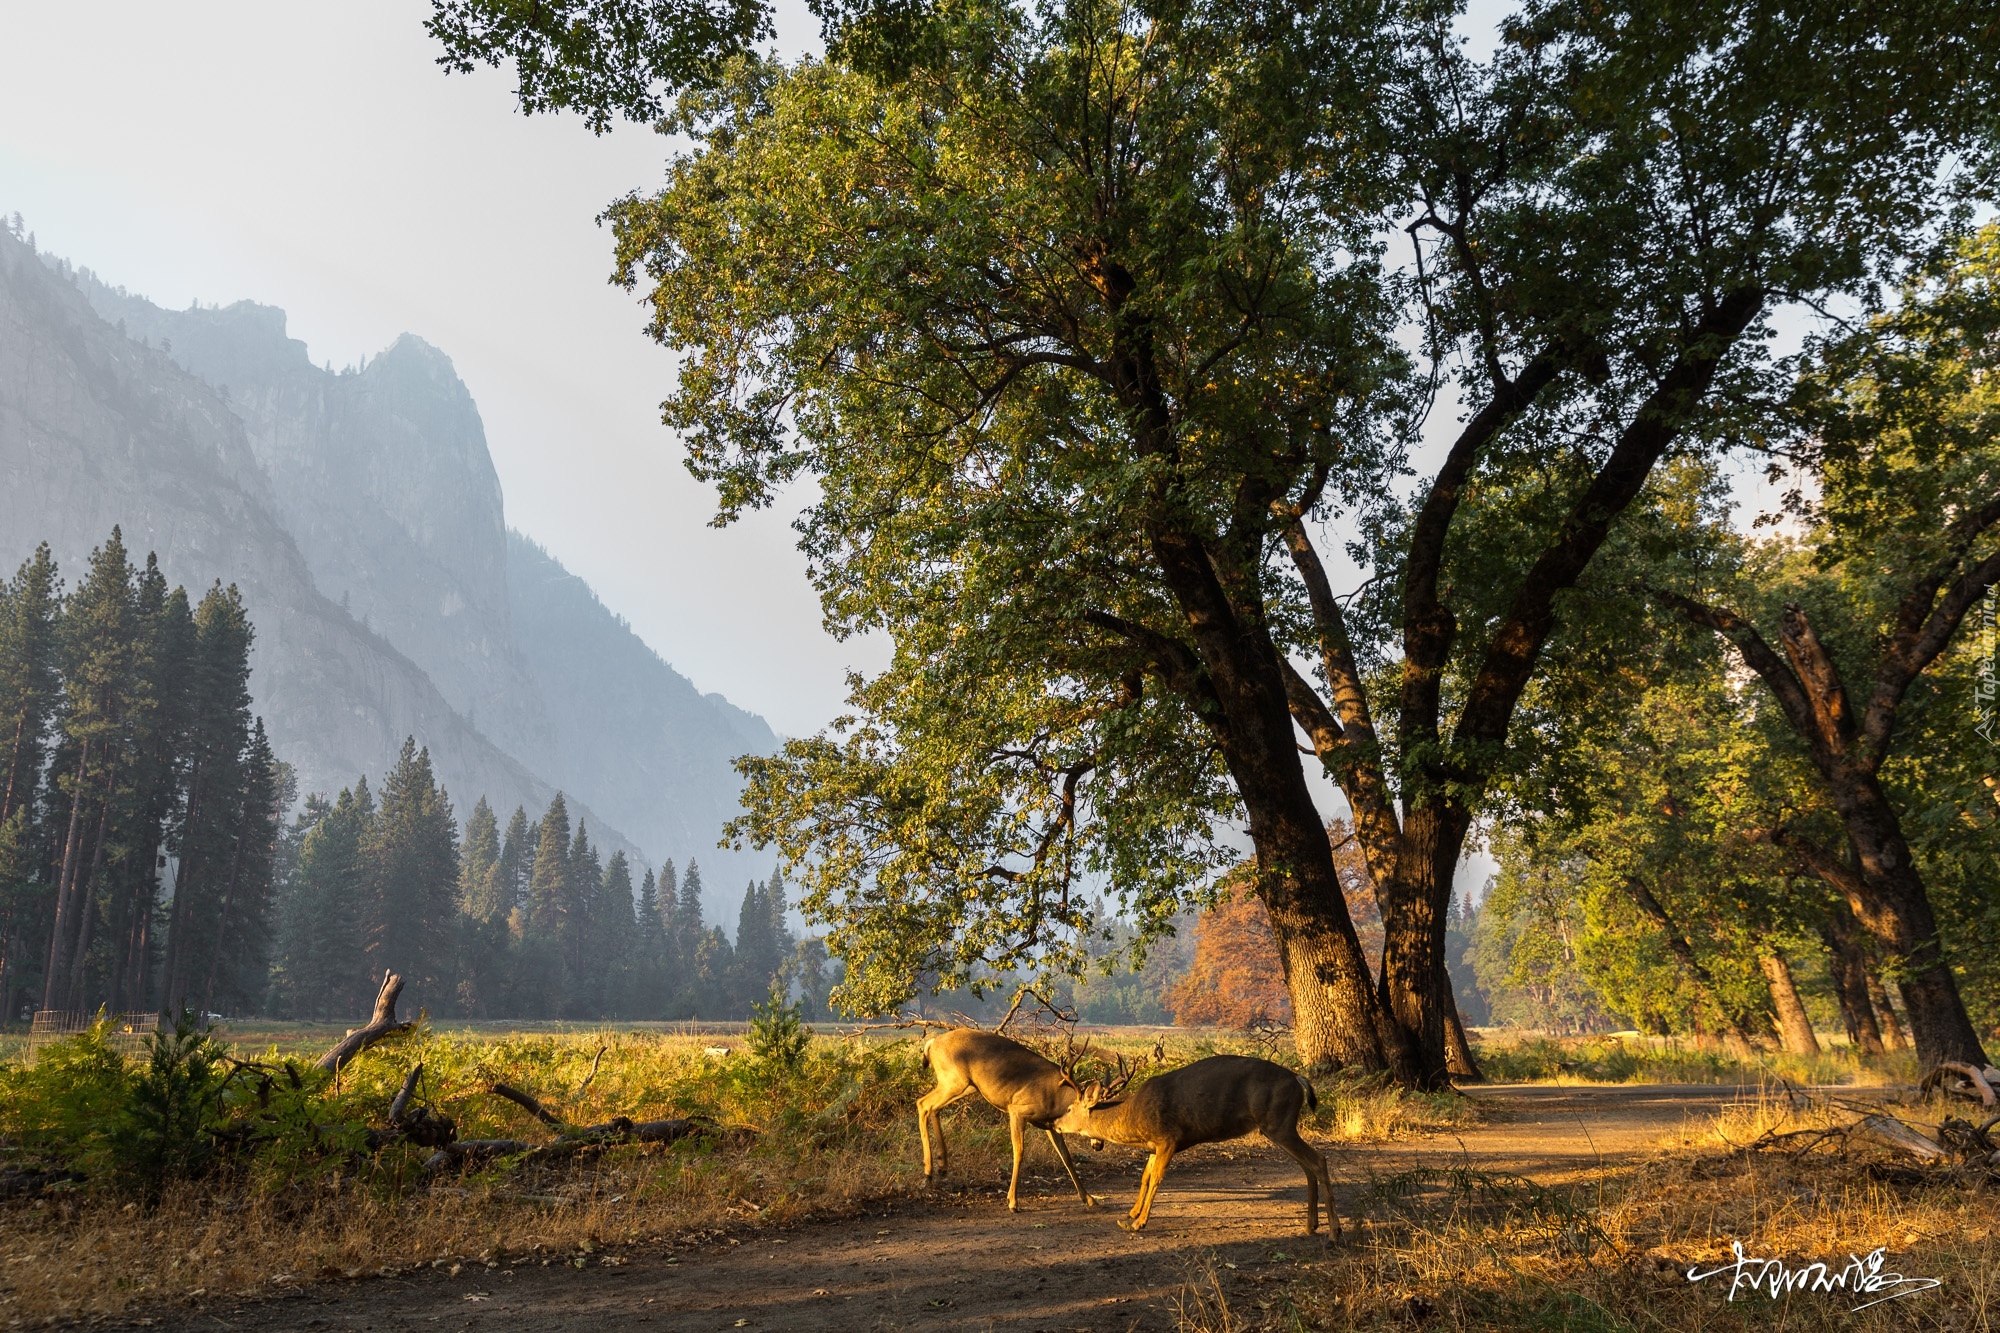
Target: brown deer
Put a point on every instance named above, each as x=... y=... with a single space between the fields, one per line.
x=1222 y=1097
x=1030 y=1089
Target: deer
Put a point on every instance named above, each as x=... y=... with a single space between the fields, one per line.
x=1222 y=1097
x=1030 y=1089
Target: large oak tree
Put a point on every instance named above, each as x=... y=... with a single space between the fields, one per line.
x=1083 y=319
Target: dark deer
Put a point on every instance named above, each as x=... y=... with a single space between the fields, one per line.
x=1030 y=1089
x=1222 y=1097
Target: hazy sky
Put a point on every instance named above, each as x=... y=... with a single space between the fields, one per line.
x=313 y=157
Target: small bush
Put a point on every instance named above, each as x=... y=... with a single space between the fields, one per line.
x=778 y=1033
x=165 y=1129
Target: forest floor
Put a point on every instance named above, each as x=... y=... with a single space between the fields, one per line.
x=1225 y=1248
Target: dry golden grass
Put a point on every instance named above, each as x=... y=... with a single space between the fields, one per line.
x=1453 y=1249
x=836 y=1136
x=84 y=1255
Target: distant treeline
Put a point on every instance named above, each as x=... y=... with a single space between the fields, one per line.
x=146 y=864
x=529 y=923
x=133 y=770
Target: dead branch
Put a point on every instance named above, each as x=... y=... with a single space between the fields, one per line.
x=526 y=1103
x=1902 y=1136
x=595 y=1060
x=473 y=1150
x=1935 y=1081
x=382 y=1025
x=588 y=1139
x=401 y=1101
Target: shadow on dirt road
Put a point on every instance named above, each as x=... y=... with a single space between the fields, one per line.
x=958 y=1261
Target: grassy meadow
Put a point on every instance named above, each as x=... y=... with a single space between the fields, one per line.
x=814 y=1124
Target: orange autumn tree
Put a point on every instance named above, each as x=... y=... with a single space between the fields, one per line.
x=1235 y=980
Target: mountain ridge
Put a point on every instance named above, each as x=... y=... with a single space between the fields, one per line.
x=375 y=484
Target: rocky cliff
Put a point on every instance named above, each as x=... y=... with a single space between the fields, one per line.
x=98 y=428
x=377 y=484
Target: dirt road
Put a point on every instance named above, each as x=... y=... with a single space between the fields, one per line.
x=959 y=1262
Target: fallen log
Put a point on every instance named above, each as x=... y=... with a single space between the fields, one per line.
x=1902 y=1136
x=590 y=1138
x=382 y=1025
x=1934 y=1081
x=473 y=1150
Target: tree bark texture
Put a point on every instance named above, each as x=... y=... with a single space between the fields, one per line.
x=1795 y=1030
x=1464 y=1069
x=1849 y=968
x=1885 y=1012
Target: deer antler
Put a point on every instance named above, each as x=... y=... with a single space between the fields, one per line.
x=1123 y=1077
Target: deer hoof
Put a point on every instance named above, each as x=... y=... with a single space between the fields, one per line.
x=1092 y=1201
x=1127 y=1224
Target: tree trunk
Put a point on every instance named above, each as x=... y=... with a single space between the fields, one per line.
x=1885 y=1012
x=1240 y=684
x=1464 y=1068
x=79 y=960
x=1335 y=1020
x=1897 y=912
x=1416 y=988
x=1794 y=1027
x=54 y=983
x=1849 y=967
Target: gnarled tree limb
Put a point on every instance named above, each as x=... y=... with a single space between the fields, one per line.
x=383 y=1024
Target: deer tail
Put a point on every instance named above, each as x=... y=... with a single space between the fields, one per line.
x=1312 y=1098
x=927 y=1052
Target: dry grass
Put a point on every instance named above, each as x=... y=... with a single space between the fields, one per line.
x=1521 y=1057
x=1457 y=1249
x=834 y=1137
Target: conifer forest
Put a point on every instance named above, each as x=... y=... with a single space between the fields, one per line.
x=156 y=856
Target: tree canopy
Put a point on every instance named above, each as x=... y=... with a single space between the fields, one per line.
x=1094 y=322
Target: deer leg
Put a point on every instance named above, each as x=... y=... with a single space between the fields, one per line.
x=1062 y=1151
x=924 y=1112
x=928 y=1107
x=1014 y=1122
x=1149 y=1188
x=1314 y=1163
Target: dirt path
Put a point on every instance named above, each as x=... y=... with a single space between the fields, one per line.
x=959 y=1262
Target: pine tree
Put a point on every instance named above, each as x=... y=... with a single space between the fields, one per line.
x=517 y=861
x=541 y=977
x=322 y=967
x=480 y=893
x=30 y=693
x=158 y=733
x=217 y=785
x=649 y=950
x=101 y=671
x=689 y=987
x=587 y=980
x=237 y=956
x=755 y=965
x=614 y=937
x=413 y=876
x=30 y=605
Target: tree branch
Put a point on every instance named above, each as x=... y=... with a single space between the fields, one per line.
x=1517 y=643
x=1757 y=655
